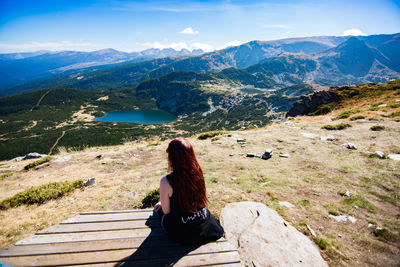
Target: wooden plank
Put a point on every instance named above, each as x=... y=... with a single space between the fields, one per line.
x=235 y=264
x=87 y=218
x=146 y=254
x=100 y=226
x=221 y=258
x=113 y=264
x=87 y=246
x=116 y=211
x=89 y=236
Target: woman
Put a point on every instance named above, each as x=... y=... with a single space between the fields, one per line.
x=183 y=199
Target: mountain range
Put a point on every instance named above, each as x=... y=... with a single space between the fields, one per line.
x=320 y=61
x=20 y=68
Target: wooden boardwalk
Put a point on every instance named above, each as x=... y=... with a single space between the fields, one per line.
x=114 y=238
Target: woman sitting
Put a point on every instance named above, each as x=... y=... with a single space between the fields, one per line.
x=183 y=201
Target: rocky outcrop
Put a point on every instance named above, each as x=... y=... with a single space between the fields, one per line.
x=264 y=238
x=33 y=155
x=310 y=103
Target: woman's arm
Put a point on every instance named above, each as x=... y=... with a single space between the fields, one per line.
x=165 y=194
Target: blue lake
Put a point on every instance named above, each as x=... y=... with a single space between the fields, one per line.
x=138 y=116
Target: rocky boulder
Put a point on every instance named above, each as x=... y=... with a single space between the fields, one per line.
x=264 y=238
x=311 y=102
x=34 y=155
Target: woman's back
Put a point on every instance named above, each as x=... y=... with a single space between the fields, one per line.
x=190 y=228
x=183 y=198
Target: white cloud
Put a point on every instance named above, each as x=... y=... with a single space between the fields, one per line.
x=353 y=32
x=179 y=46
x=231 y=43
x=276 y=26
x=52 y=46
x=154 y=45
x=202 y=46
x=189 y=30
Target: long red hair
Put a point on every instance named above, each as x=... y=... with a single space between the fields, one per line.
x=186 y=178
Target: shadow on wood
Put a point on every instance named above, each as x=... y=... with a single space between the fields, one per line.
x=156 y=250
x=114 y=238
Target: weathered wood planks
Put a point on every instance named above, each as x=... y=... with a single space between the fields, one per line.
x=142 y=254
x=108 y=217
x=98 y=226
x=129 y=238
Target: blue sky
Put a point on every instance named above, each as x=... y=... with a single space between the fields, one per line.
x=88 y=25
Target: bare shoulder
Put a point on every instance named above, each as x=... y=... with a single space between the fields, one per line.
x=165 y=183
x=164 y=180
x=165 y=186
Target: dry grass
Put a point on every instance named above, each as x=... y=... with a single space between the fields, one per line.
x=369 y=107
x=311 y=179
x=80 y=115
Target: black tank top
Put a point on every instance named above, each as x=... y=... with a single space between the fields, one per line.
x=190 y=228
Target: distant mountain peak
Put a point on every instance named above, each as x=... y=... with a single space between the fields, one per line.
x=352 y=42
x=107 y=50
x=197 y=51
x=355 y=57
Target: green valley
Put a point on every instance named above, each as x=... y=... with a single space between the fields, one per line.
x=41 y=120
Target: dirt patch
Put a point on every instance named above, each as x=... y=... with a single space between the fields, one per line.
x=103 y=98
x=33 y=124
x=80 y=115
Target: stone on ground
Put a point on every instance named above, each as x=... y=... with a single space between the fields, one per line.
x=380 y=154
x=394 y=156
x=267 y=154
x=264 y=238
x=351 y=146
x=343 y=218
x=310 y=135
x=63 y=159
x=286 y=204
x=90 y=181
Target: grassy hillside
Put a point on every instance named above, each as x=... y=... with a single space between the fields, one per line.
x=41 y=120
x=323 y=102
x=315 y=179
x=34 y=121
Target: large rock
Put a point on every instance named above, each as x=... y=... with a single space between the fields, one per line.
x=310 y=103
x=264 y=238
x=34 y=155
